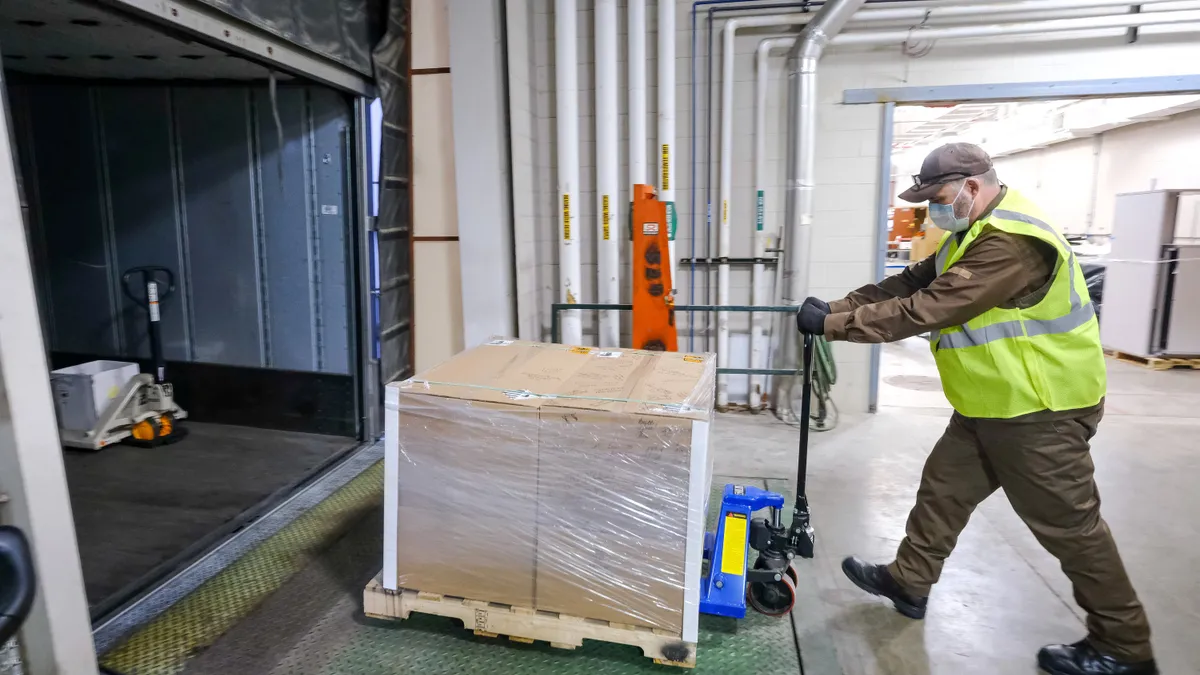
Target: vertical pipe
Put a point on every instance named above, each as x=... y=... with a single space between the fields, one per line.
x=666 y=123
x=637 y=91
x=567 y=113
x=607 y=171
x=786 y=354
x=708 y=183
x=692 y=192
x=723 y=199
x=759 y=291
x=802 y=127
x=881 y=235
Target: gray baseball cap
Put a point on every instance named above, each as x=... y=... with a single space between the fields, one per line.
x=948 y=163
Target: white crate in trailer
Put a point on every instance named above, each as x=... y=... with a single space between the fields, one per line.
x=82 y=392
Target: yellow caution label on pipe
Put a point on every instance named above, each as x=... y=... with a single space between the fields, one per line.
x=566 y=217
x=725 y=211
x=604 y=216
x=733 y=545
x=666 y=166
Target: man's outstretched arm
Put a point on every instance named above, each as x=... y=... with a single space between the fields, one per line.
x=902 y=285
x=995 y=269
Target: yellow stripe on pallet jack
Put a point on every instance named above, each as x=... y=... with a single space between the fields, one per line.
x=733 y=546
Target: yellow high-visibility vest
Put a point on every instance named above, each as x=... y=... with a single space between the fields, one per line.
x=1009 y=362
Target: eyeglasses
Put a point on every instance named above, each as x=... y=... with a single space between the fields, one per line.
x=937 y=180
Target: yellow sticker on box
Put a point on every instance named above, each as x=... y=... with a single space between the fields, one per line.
x=581 y=350
x=733 y=545
x=692 y=358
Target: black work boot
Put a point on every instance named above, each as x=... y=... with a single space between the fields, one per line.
x=877 y=580
x=1082 y=658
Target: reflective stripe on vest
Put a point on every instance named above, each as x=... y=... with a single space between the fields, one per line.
x=973 y=337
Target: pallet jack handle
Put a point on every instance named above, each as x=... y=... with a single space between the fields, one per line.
x=805 y=411
x=157 y=283
x=801 y=534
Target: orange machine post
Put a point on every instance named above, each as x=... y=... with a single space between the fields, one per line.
x=653 y=297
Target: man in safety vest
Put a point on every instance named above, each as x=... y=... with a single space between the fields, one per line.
x=1017 y=344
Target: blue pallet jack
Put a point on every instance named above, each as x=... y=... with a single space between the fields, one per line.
x=769 y=585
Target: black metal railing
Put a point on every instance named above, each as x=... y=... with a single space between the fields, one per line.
x=556 y=326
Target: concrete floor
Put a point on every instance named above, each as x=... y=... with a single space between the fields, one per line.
x=1001 y=596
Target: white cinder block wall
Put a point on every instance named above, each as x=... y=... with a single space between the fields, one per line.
x=1077 y=181
x=848 y=150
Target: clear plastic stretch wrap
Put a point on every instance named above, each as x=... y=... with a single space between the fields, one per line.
x=566 y=479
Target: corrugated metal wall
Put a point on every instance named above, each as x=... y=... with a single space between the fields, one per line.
x=195 y=179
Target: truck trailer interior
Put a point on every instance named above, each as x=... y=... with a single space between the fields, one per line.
x=142 y=146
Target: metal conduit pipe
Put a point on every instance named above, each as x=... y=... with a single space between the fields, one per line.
x=566 y=92
x=760 y=288
x=608 y=173
x=637 y=92
x=666 y=126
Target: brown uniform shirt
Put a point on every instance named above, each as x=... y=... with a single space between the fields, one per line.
x=998 y=269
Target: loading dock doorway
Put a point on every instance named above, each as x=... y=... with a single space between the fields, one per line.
x=908 y=376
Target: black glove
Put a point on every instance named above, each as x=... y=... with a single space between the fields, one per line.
x=811 y=317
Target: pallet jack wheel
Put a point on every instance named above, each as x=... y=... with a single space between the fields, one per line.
x=773 y=598
x=790 y=570
x=153 y=432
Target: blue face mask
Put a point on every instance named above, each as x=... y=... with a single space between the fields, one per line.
x=946 y=216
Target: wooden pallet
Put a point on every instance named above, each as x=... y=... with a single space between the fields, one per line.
x=1155 y=362
x=524 y=624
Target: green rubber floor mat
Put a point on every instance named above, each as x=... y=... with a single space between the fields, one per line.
x=163 y=646
x=312 y=624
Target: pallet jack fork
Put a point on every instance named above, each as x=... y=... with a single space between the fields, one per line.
x=769 y=585
x=145 y=412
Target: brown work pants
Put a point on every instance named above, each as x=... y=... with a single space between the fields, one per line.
x=1046 y=470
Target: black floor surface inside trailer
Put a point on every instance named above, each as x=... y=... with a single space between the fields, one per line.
x=137 y=508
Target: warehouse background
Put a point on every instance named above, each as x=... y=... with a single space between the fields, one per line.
x=1077 y=180
x=849 y=156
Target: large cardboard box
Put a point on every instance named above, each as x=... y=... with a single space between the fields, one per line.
x=571 y=480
